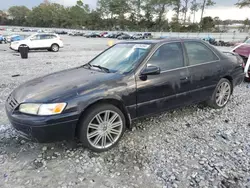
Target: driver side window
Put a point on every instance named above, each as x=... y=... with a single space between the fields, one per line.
x=168 y=56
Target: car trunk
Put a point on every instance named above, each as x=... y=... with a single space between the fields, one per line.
x=245 y=63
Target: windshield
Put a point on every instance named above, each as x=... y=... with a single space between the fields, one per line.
x=121 y=57
x=248 y=41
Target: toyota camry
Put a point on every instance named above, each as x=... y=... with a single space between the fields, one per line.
x=98 y=101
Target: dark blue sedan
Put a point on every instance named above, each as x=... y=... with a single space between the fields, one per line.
x=97 y=102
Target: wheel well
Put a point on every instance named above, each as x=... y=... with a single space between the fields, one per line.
x=54 y=44
x=114 y=102
x=230 y=80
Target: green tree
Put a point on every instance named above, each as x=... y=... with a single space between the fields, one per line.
x=177 y=9
x=3 y=18
x=49 y=15
x=243 y=3
x=185 y=10
x=207 y=24
x=205 y=4
x=19 y=14
x=194 y=8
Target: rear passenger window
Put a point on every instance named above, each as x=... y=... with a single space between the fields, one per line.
x=168 y=56
x=53 y=36
x=199 y=53
x=45 y=36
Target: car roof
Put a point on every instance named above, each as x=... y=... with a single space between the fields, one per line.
x=160 y=40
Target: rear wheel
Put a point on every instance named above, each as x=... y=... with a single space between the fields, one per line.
x=221 y=95
x=54 y=48
x=102 y=127
x=247 y=79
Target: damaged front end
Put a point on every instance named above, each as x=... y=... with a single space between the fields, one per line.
x=244 y=51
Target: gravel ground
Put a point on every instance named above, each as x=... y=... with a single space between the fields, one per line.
x=189 y=147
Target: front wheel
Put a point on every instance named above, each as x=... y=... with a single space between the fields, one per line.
x=221 y=95
x=102 y=127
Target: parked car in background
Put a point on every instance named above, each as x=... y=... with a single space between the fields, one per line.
x=51 y=42
x=110 y=35
x=92 y=35
x=26 y=30
x=103 y=33
x=61 y=32
x=124 y=37
x=13 y=38
x=137 y=36
x=240 y=43
x=76 y=33
x=2 y=39
x=148 y=35
x=243 y=49
x=106 y=35
x=97 y=102
x=119 y=34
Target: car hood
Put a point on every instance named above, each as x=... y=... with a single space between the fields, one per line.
x=242 y=49
x=24 y=41
x=59 y=86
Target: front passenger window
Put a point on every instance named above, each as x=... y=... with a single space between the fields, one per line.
x=168 y=56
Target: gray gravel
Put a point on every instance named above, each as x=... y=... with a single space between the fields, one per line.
x=193 y=146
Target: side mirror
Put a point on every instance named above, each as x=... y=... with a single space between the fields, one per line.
x=151 y=70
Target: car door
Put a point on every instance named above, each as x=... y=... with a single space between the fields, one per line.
x=34 y=42
x=45 y=40
x=205 y=70
x=169 y=89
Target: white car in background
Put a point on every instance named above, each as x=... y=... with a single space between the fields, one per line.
x=51 y=42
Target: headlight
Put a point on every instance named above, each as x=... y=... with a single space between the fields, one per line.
x=42 y=109
x=29 y=108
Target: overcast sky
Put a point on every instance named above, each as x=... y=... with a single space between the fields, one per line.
x=224 y=9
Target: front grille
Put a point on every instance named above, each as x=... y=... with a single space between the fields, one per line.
x=12 y=102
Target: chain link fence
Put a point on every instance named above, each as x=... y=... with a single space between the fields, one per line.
x=227 y=37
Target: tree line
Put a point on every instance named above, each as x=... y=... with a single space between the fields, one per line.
x=133 y=15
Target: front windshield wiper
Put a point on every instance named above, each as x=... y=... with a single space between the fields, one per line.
x=88 y=64
x=100 y=67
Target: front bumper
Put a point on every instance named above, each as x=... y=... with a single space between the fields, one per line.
x=43 y=129
x=15 y=49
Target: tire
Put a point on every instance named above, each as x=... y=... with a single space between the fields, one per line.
x=86 y=131
x=224 y=86
x=54 y=48
x=247 y=80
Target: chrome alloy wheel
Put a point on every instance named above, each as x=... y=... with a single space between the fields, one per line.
x=223 y=94
x=104 y=129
